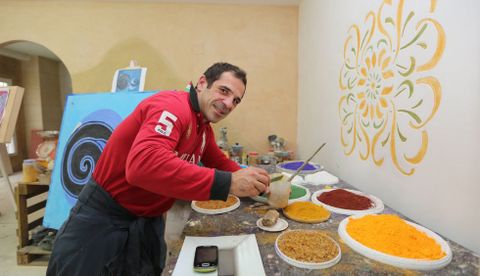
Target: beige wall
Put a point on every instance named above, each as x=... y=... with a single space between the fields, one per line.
x=41 y=104
x=10 y=69
x=50 y=94
x=442 y=192
x=31 y=104
x=65 y=84
x=176 y=42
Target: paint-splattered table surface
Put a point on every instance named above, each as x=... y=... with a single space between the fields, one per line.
x=243 y=221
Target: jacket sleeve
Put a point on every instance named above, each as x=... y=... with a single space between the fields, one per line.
x=213 y=157
x=153 y=164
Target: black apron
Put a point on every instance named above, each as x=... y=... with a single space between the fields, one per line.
x=100 y=237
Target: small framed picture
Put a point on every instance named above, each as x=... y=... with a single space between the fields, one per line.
x=129 y=79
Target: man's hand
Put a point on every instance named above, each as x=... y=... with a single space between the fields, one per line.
x=250 y=181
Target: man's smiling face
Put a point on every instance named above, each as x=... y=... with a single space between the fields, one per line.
x=223 y=95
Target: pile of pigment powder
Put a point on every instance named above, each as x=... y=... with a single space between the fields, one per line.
x=344 y=199
x=392 y=235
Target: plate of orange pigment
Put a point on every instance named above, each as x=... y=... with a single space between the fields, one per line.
x=389 y=239
x=347 y=202
x=213 y=207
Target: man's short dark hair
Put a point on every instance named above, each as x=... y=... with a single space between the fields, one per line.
x=214 y=72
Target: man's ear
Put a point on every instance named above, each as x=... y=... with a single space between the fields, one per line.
x=202 y=83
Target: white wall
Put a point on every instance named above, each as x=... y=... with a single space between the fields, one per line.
x=442 y=193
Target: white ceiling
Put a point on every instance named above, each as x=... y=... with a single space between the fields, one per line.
x=236 y=2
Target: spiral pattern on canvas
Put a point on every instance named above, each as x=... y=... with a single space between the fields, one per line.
x=81 y=153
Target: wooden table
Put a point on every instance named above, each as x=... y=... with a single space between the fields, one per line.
x=25 y=193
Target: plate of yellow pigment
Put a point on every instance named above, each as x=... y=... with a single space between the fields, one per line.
x=213 y=207
x=306 y=211
x=389 y=239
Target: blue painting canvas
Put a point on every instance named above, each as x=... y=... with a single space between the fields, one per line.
x=87 y=123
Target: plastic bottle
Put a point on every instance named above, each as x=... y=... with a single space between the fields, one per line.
x=244 y=159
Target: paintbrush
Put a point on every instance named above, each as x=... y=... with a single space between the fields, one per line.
x=306 y=162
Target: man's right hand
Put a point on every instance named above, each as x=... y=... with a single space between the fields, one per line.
x=250 y=181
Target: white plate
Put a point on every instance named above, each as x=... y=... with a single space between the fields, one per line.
x=279 y=226
x=216 y=211
x=306 y=197
x=44 y=149
x=321 y=178
x=377 y=208
x=301 y=264
x=407 y=263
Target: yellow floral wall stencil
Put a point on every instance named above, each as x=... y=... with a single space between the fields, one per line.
x=388 y=91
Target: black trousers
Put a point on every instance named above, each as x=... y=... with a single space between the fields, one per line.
x=100 y=237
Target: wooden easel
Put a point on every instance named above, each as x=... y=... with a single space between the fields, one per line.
x=8 y=121
x=5 y=165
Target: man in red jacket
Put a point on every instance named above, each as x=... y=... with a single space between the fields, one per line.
x=117 y=226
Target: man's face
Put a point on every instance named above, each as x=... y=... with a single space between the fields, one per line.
x=221 y=98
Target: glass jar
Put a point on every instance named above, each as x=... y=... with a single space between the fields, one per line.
x=279 y=194
x=252 y=158
x=236 y=154
x=29 y=172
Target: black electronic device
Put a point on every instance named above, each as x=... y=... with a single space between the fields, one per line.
x=206 y=258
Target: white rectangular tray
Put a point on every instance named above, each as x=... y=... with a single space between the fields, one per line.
x=238 y=255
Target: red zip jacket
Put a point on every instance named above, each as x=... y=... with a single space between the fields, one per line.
x=151 y=157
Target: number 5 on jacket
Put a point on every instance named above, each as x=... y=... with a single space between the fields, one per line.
x=165 y=123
